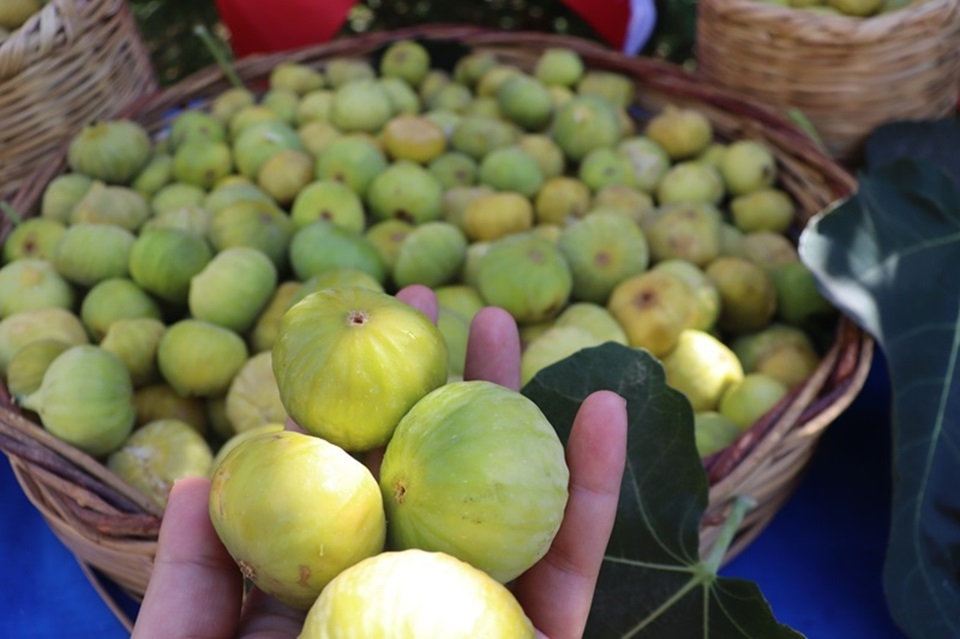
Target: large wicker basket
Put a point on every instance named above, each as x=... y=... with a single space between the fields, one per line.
x=847 y=75
x=73 y=62
x=112 y=528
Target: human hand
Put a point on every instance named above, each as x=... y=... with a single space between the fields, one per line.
x=196 y=590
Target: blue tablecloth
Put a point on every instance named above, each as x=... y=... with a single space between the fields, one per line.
x=819 y=563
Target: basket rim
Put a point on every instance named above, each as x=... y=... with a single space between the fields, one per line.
x=826 y=29
x=852 y=346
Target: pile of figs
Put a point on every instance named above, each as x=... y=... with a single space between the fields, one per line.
x=143 y=310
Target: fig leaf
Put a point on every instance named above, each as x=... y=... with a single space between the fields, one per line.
x=888 y=257
x=934 y=140
x=653 y=582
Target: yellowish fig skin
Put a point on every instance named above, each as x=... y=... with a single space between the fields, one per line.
x=394 y=596
x=293 y=511
x=477 y=471
x=350 y=362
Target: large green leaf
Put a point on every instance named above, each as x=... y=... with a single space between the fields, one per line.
x=889 y=257
x=934 y=140
x=653 y=583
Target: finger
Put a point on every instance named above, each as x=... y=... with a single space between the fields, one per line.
x=265 y=617
x=558 y=590
x=421 y=298
x=493 y=348
x=195 y=589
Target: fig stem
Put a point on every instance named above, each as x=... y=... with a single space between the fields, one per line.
x=742 y=504
x=799 y=118
x=11 y=213
x=203 y=33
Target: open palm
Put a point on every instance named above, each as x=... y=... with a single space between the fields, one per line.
x=196 y=590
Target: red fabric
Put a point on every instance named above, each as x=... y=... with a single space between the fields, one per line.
x=609 y=18
x=267 y=26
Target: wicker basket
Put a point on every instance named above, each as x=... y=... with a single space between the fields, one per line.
x=113 y=529
x=847 y=75
x=73 y=62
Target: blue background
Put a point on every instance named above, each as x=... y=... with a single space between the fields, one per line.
x=819 y=563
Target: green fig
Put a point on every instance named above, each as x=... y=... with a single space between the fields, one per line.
x=90 y=253
x=362 y=105
x=253 y=146
x=114 y=299
x=20 y=329
x=585 y=123
x=253 y=224
x=748 y=166
x=156 y=174
x=355 y=161
x=32 y=284
x=28 y=365
x=602 y=250
x=202 y=163
x=113 y=151
x=86 y=400
x=232 y=288
x=405 y=191
x=328 y=201
x=135 y=341
x=746 y=401
x=559 y=66
x=552 y=345
x=115 y=205
x=511 y=169
x=264 y=331
x=713 y=432
x=546 y=285
x=748 y=297
x=158 y=454
x=432 y=254
x=407 y=60
x=594 y=319
x=61 y=194
x=562 y=200
x=322 y=246
x=176 y=196
x=194 y=125
x=199 y=358
x=296 y=77
x=253 y=398
x=160 y=401
x=162 y=262
x=682 y=132
x=687 y=230
x=525 y=101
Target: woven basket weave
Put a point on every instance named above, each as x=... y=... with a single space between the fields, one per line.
x=73 y=62
x=847 y=75
x=113 y=529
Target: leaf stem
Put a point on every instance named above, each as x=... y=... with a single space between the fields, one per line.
x=203 y=33
x=742 y=504
x=800 y=119
x=11 y=212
